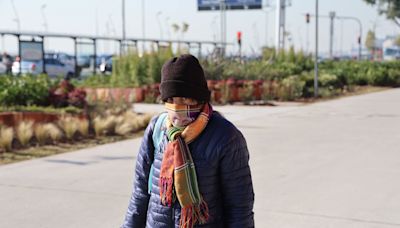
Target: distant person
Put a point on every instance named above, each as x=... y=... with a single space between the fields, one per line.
x=192 y=169
x=7 y=61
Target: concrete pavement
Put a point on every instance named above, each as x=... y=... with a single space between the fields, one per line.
x=329 y=164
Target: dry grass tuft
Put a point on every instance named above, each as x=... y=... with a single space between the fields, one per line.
x=69 y=125
x=25 y=132
x=83 y=127
x=41 y=133
x=124 y=128
x=144 y=120
x=54 y=132
x=6 y=138
x=132 y=119
x=103 y=126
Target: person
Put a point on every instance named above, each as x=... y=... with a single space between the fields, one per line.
x=192 y=169
x=7 y=61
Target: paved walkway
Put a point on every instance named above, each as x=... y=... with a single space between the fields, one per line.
x=330 y=164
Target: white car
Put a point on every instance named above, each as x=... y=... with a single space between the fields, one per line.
x=54 y=68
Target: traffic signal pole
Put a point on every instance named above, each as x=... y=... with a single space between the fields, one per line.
x=332 y=17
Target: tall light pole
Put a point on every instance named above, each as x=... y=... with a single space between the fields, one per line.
x=123 y=26
x=316 y=51
x=167 y=25
x=16 y=19
x=214 y=28
x=223 y=25
x=159 y=23
x=332 y=16
x=42 y=8
x=280 y=14
x=143 y=23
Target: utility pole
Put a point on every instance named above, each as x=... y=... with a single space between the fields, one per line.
x=316 y=51
x=332 y=16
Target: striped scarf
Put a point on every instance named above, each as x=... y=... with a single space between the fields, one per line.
x=178 y=178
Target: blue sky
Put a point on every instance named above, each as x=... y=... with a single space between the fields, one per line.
x=80 y=16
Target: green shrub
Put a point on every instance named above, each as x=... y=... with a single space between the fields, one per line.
x=394 y=77
x=291 y=88
x=24 y=90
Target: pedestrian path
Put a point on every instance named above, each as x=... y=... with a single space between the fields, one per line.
x=329 y=164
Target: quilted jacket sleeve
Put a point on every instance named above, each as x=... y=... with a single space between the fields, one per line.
x=236 y=184
x=137 y=210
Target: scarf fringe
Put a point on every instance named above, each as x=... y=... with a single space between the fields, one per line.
x=190 y=215
x=166 y=188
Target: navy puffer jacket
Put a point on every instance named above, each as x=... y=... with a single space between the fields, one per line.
x=221 y=158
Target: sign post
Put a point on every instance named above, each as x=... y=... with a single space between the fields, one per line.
x=32 y=51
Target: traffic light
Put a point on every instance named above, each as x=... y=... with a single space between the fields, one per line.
x=239 y=37
x=359 y=40
x=308 y=18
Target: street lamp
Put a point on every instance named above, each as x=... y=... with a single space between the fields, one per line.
x=167 y=25
x=42 y=8
x=123 y=25
x=214 y=28
x=159 y=23
x=316 y=51
x=16 y=19
x=143 y=24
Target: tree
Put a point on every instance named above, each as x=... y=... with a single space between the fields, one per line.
x=391 y=8
x=370 y=40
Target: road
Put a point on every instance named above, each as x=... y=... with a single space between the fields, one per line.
x=328 y=164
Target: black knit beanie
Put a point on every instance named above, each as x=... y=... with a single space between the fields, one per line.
x=184 y=77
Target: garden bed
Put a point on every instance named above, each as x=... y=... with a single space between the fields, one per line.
x=12 y=119
x=62 y=147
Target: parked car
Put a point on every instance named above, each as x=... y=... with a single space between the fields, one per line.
x=54 y=68
x=3 y=68
x=83 y=61
x=62 y=57
x=106 y=65
x=102 y=58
